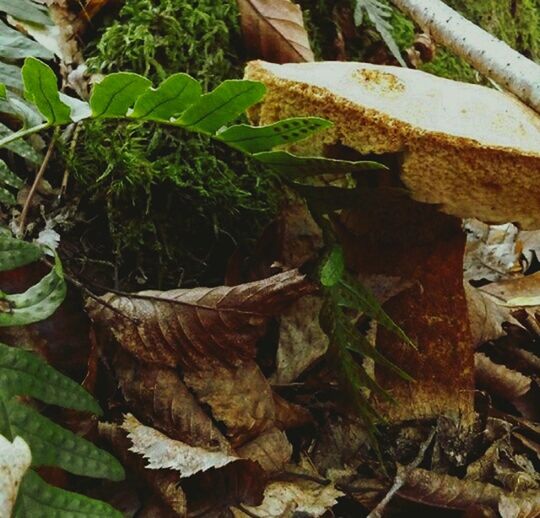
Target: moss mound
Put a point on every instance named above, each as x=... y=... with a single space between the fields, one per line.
x=175 y=204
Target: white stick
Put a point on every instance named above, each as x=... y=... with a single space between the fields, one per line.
x=490 y=56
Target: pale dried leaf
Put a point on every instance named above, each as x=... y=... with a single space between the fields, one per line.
x=15 y=459
x=197 y=327
x=239 y=397
x=491 y=252
x=165 y=453
x=288 y=499
x=522 y=506
x=499 y=379
x=274 y=30
x=301 y=339
x=272 y=450
x=159 y=397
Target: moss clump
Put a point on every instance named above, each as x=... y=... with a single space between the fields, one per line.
x=176 y=204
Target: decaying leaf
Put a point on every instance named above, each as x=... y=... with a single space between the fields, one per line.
x=526 y=506
x=158 y=396
x=15 y=459
x=272 y=450
x=193 y=328
x=274 y=30
x=284 y=499
x=165 y=483
x=165 y=453
x=499 y=379
x=239 y=397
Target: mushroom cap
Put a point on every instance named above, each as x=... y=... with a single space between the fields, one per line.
x=472 y=150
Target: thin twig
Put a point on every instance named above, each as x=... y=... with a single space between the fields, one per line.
x=37 y=181
x=72 y=145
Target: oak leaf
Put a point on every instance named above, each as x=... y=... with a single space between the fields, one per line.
x=196 y=327
x=274 y=30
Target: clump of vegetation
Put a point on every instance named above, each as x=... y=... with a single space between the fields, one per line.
x=176 y=204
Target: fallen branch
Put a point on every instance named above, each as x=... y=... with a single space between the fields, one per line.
x=487 y=54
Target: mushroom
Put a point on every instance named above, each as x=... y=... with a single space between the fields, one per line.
x=462 y=151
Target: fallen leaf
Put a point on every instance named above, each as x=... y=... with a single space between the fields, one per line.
x=284 y=499
x=162 y=452
x=272 y=450
x=239 y=397
x=159 y=397
x=527 y=506
x=194 y=328
x=15 y=459
x=499 y=379
x=164 y=483
x=274 y=30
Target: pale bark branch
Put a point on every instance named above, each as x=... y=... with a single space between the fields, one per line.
x=490 y=56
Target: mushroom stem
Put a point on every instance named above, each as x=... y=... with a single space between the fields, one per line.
x=417 y=243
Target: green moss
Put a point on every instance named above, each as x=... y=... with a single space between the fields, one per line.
x=175 y=204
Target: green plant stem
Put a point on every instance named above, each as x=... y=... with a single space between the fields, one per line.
x=5 y=427
x=23 y=133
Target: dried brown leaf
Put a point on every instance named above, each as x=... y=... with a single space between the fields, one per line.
x=193 y=328
x=239 y=397
x=159 y=397
x=272 y=450
x=525 y=506
x=290 y=415
x=274 y=30
x=499 y=379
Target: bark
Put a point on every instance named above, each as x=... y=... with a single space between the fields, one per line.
x=490 y=56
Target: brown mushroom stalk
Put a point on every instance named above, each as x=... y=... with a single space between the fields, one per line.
x=463 y=151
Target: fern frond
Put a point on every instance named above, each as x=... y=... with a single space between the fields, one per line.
x=379 y=14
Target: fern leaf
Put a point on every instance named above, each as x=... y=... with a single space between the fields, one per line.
x=116 y=93
x=300 y=167
x=254 y=139
x=36 y=303
x=379 y=13
x=52 y=445
x=20 y=147
x=169 y=100
x=26 y=10
x=24 y=374
x=41 y=88
x=222 y=105
x=37 y=498
x=14 y=45
x=15 y=252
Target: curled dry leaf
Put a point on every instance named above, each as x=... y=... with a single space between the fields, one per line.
x=194 y=328
x=158 y=396
x=499 y=379
x=164 y=483
x=274 y=30
x=15 y=459
x=526 y=506
x=295 y=498
x=163 y=452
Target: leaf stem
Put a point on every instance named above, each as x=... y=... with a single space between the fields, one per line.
x=23 y=133
x=37 y=180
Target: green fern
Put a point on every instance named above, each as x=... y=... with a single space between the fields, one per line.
x=379 y=14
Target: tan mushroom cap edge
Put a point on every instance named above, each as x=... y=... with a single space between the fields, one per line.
x=473 y=150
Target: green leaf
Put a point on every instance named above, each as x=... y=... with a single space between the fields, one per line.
x=36 y=303
x=37 y=499
x=15 y=45
x=52 y=445
x=15 y=252
x=20 y=147
x=26 y=10
x=356 y=296
x=254 y=139
x=379 y=14
x=10 y=75
x=300 y=167
x=20 y=109
x=7 y=177
x=169 y=100
x=23 y=373
x=79 y=109
x=116 y=93
x=224 y=104
x=40 y=87
x=333 y=267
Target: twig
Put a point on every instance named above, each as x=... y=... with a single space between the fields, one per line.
x=72 y=144
x=37 y=180
x=247 y=511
